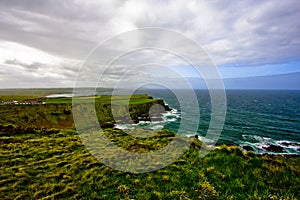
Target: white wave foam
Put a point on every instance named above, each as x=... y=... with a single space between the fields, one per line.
x=208 y=142
x=124 y=126
x=288 y=144
x=256 y=137
x=148 y=122
x=169 y=116
x=260 y=144
x=157 y=127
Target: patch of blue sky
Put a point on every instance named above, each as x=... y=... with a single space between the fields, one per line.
x=235 y=70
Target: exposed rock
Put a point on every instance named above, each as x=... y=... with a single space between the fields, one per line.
x=248 y=148
x=274 y=148
x=286 y=144
x=156 y=119
x=196 y=144
x=290 y=155
x=140 y=112
x=107 y=125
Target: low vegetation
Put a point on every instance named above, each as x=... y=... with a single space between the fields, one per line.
x=46 y=159
x=57 y=165
x=57 y=112
x=33 y=93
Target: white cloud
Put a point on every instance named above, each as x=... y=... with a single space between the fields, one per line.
x=25 y=54
x=21 y=65
x=57 y=35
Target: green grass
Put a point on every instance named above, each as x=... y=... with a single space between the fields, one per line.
x=37 y=166
x=105 y=99
x=42 y=157
x=57 y=113
x=40 y=93
x=25 y=117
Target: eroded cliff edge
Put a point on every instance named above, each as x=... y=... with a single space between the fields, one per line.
x=58 y=114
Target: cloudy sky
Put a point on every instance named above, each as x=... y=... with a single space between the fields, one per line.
x=44 y=43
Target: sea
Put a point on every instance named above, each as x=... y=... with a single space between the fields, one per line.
x=262 y=121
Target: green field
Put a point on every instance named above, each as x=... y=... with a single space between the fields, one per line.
x=105 y=99
x=42 y=157
x=57 y=166
x=57 y=112
x=36 y=93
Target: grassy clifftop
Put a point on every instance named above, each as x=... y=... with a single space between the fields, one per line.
x=57 y=112
x=30 y=93
x=42 y=157
x=58 y=166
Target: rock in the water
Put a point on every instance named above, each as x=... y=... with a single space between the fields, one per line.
x=274 y=148
x=107 y=125
x=286 y=144
x=248 y=148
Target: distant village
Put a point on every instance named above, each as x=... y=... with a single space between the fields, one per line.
x=28 y=102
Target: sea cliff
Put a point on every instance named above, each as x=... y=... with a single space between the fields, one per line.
x=57 y=113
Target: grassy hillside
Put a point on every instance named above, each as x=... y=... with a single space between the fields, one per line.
x=39 y=166
x=57 y=113
x=29 y=93
x=42 y=157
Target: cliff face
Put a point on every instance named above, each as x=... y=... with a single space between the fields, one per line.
x=108 y=115
x=35 y=118
x=42 y=118
x=140 y=112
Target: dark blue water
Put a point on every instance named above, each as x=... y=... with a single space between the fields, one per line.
x=255 y=119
